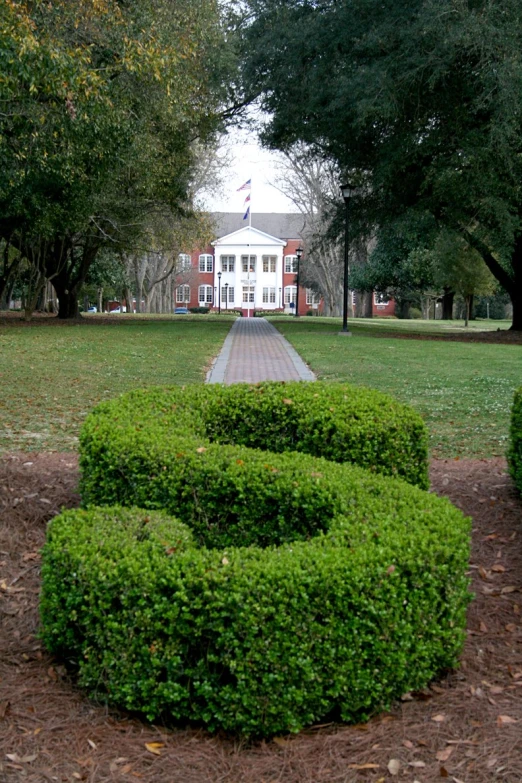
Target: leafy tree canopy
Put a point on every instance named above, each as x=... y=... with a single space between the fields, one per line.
x=420 y=101
x=100 y=104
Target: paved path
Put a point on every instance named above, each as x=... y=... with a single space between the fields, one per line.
x=255 y=351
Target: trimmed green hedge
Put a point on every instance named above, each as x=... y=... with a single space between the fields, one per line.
x=262 y=640
x=515 y=441
x=288 y=588
x=123 y=440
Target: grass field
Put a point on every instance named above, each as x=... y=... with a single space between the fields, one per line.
x=51 y=374
x=463 y=390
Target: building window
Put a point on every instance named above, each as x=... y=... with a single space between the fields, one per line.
x=290 y=294
x=291 y=264
x=248 y=293
x=228 y=263
x=184 y=262
x=206 y=263
x=205 y=294
x=227 y=297
x=183 y=293
x=312 y=297
x=269 y=263
x=380 y=299
x=269 y=295
x=248 y=263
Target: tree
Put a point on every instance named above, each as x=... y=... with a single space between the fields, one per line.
x=419 y=100
x=101 y=104
x=459 y=268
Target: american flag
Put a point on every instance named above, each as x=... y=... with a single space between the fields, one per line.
x=246 y=213
x=246 y=186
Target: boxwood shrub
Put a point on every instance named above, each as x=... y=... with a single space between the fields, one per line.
x=251 y=586
x=515 y=441
x=364 y=601
x=125 y=442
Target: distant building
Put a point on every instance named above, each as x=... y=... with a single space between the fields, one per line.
x=250 y=267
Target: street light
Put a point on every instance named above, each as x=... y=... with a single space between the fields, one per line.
x=299 y=253
x=219 y=293
x=347 y=191
x=226 y=296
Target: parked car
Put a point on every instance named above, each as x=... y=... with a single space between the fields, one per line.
x=181 y=311
x=92 y=309
x=118 y=310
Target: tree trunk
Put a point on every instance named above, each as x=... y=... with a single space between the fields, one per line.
x=100 y=299
x=128 y=299
x=67 y=300
x=468 y=308
x=447 y=305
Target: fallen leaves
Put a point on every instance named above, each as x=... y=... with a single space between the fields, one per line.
x=440 y=718
x=394 y=766
x=504 y=720
x=155 y=747
x=21 y=759
x=443 y=755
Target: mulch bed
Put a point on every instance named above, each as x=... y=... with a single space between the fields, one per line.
x=465 y=728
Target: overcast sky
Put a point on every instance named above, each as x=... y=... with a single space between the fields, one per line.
x=249 y=161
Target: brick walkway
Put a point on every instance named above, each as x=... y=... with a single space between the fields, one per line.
x=255 y=351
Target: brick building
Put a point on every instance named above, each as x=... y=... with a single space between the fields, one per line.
x=250 y=267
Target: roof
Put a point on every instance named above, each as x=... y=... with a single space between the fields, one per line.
x=283 y=225
x=248 y=235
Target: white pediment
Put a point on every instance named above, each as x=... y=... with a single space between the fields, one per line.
x=248 y=236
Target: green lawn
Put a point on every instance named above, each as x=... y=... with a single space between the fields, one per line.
x=51 y=374
x=463 y=390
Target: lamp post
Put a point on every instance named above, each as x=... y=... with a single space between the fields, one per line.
x=299 y=253
x=219 y=293
x=280 y=304
x=347 y=191
x=226 y=296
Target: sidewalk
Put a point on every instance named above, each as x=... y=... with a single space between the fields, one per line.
x=255 y=351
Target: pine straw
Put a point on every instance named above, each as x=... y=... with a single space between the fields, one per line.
x=49 y=731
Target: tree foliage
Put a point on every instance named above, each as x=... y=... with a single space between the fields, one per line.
x=100 y=104
x=419 y=100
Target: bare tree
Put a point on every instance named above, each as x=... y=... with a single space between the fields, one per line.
x=312 y=184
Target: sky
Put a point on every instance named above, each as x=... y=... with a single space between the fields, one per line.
x=249 y=161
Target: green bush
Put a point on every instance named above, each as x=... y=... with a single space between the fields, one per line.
x=287 y=588
x=515 y=441
x=181 y=624
x=125 y=442
x=201 y=310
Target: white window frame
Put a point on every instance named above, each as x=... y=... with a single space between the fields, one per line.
x=269 y=295
x=183 y=294
x=249 y=294
x=270 y=262
x=312 y=297
x=380 y=300
x=184 y=262
x=291 y=265
x=205 y=294
x=228 y=298
x=248 y=263
x=228 y=263
x=290 y=294
x=206 y=262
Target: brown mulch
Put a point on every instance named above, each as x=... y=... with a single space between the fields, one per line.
x=465 y=728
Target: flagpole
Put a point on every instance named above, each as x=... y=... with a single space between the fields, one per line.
x=250 y=226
